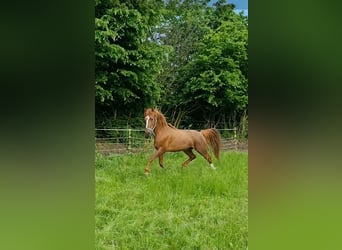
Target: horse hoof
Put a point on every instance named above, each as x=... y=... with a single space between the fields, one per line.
x=212 y=166
x=146 y=173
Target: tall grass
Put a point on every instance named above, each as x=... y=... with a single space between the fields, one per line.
x=172 y=208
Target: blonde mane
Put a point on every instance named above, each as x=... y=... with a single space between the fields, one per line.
x=161 y=120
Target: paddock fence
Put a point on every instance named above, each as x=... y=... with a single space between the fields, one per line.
x=126 y=140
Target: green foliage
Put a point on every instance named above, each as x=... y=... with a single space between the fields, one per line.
x=215 y=74
x=183 y=56
x=172 y=208
x=208 y=69
x=127 y=61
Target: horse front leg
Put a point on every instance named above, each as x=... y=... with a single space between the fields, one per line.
x=154 y=156
x=161 y=160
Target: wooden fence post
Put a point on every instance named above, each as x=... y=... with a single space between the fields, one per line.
x=129 y=139
x=235 y=139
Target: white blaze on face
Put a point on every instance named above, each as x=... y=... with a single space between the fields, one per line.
x=147 y=118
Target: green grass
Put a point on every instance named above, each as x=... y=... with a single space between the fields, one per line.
x=172 y=208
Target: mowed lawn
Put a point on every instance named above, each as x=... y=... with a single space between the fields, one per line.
x=172 y=208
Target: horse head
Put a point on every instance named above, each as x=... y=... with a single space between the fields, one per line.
x=151 y=121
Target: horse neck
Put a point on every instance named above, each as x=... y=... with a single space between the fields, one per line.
x=161 y=123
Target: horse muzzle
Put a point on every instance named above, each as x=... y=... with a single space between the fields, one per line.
x=149 y=132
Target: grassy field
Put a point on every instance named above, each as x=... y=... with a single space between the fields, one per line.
x=172 y=208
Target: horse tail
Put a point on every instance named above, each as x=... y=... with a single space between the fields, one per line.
x=213 y=138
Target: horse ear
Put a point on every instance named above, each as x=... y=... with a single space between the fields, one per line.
x=144 y=109
x=152 y=109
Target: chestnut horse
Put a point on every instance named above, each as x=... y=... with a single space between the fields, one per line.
x=167 y=138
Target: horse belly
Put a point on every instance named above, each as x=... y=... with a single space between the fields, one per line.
x=179 y=147
x=180 y=143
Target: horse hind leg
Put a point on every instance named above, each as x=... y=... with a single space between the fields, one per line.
x=204 y=152
x=191 y=155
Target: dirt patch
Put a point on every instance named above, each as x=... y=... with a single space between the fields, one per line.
x=107 y=148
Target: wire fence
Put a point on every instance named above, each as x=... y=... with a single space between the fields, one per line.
x=126 y=140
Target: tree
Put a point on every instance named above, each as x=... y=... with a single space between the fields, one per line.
x=127 y=61
x=216 y=77
x=185 y=23
x=208 y=69
x=182 y=55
